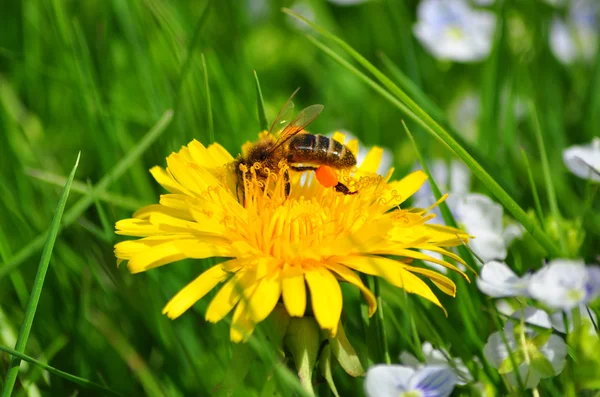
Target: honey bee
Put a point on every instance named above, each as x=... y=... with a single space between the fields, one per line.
x=298 y=150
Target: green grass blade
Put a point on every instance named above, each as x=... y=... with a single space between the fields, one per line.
x=38 y=284
x=65 y=375
x=209 y=113
x=190 y=52
x=487 y=162
x=490 y=93
x=118 y=200
x=536 y=197
x=262 y=116
x=465 y=253
x=550 y=191
x=417 y=114
x=381 y=323
x=444 y=209
x=85 y=202
x=412 y=89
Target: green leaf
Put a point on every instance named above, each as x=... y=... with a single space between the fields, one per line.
x=345 y=354
x=276 y=326
x=302 y=340
x=507 y=365
x=583 y=348
x=403 y=102
x=541 y=364
x=260 y=104
x=241 y=360
x=541 y=339
x=38 y=284
x=325 y=367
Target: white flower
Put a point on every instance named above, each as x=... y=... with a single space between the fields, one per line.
x=452 y=30
x=576 y=37
x=539 y=318
x=497 y=280
x=565 y=284
x=533 y=316
x=584 y=160
x=482 y=218
x=401 y=381
x=535 y=358
x=439 y=357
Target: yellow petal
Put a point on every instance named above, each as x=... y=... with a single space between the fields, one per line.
x=352 y=145
x=339 y=137
x=190 y=175
x=293 y=290
x=348 y=275
x=153 y=257
x=136 y=228
x=392 y=272
x=242 y=325
x=172 y=186
x=220 y=154
x=399 y=191
x=415 y=285
x=371 y=162
x=172 y=251
x=194 y=291
x=421 y=256
x=204 y=246
x=265 y=297
x=125 y=250
x=441 y=281
x=170 y=224
x=447 y=253
x=326 y=297
x=241 y=284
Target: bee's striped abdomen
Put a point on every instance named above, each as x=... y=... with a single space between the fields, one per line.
x=319 y=150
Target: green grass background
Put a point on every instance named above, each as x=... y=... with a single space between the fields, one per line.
x=95 y=76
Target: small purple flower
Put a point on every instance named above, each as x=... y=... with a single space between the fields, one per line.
x=401 y=381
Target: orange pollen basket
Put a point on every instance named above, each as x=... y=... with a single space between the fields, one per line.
x=326 y=176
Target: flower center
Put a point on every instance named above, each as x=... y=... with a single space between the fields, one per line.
x=291 y=221
x=455 y=33
x=411 y=393
x=575 y=295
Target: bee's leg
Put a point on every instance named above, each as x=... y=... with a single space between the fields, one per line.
x=302 y=168
x=288 y=185
x=340 y=187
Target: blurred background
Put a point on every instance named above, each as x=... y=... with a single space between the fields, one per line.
x=95 y=76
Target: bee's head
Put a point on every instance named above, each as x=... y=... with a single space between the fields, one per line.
x=259 y=152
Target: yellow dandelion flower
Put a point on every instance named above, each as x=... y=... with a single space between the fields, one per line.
x=282 y=247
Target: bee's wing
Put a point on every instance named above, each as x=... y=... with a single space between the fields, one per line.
x=304 y=118
x=285 y=113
